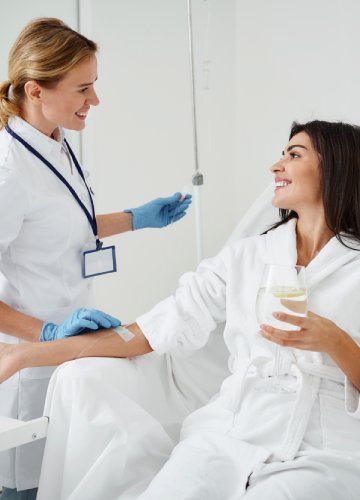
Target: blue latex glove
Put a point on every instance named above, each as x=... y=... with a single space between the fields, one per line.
x=81 y=321
x=160 y=212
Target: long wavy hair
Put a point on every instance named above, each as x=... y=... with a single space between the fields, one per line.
x=338 y=147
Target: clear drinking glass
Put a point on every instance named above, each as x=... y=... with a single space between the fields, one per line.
x=282 y=289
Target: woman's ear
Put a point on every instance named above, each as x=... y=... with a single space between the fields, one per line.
x=33 y=91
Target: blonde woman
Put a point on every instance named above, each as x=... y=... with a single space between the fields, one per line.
x=49 y=232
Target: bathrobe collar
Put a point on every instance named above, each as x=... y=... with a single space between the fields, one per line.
x=281 y=249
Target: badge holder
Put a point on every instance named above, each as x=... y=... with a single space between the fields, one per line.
x=94 y=262
x=102 y=260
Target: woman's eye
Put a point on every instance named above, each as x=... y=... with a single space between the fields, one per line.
x=294 y=155
x=82 y=91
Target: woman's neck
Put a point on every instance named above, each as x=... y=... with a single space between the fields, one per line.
x=38 y=122
x=311 y=236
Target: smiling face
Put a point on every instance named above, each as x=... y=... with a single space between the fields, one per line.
x=67 y=104
x=297 y=176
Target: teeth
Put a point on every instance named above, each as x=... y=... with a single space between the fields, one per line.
x=81 y=114
x=281 y=183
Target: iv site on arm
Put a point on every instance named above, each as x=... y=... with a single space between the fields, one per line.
x=124 y=333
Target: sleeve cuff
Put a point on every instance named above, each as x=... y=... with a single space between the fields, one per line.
x=352 y=399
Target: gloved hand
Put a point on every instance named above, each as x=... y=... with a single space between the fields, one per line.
x=80 y=321
x=160 y=212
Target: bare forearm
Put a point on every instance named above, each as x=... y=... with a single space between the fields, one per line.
x=115 y=223
x=18 y=324
x=105 y=343
x=346 y=354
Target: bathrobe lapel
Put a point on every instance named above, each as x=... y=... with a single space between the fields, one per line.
x=281 y=245
x=331 y=258
x=281 y=249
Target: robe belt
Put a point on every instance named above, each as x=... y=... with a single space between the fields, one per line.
x=309 y=373
x=288 y=365
x=332 y=373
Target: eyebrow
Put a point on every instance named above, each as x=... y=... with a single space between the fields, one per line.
x=87 y=84
x=294 y=146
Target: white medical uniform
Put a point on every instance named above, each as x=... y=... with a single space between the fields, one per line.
x=43 y=232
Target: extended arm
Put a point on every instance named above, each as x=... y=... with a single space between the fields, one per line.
x=105 y=343
x=185 y=319
x=157 y=213
x=25 y=327
x=115 y=223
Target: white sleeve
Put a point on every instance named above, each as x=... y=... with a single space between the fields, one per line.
x=352 y=399
x=187 y=318
x=352 y=394
x=13 y=206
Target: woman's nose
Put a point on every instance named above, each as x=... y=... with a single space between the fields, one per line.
x=93 y=98
x=278 y=166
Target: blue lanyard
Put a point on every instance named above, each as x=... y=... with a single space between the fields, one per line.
x=90 y=217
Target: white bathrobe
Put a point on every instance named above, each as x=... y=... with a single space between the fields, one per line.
x=243 y=438
x=244 y=431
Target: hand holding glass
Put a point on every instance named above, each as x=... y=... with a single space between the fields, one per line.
x=282 y=289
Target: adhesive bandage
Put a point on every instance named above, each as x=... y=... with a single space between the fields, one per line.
x=124 y=333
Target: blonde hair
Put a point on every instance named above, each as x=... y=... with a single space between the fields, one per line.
x=45 y=51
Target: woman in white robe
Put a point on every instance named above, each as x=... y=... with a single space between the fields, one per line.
x=247 y=443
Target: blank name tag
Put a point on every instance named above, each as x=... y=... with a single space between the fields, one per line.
x=101 y=261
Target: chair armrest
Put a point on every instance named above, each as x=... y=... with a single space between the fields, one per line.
x=16 y=432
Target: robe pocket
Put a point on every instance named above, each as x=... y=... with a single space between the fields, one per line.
x=340 y=431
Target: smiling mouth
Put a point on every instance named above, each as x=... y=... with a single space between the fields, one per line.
x=81 y=115
x=281 y=184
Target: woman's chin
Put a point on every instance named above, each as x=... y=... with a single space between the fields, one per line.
x=277 y=203
x=280 y=204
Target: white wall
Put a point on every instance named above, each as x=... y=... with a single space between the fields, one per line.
x=138 y=143
x=295 y=61
x=14 y=15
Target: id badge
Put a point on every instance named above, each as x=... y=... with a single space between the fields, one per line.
x=99 y=261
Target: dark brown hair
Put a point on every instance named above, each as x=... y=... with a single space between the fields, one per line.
x=338 y=146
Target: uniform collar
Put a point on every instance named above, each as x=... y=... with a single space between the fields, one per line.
x=44 y=144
